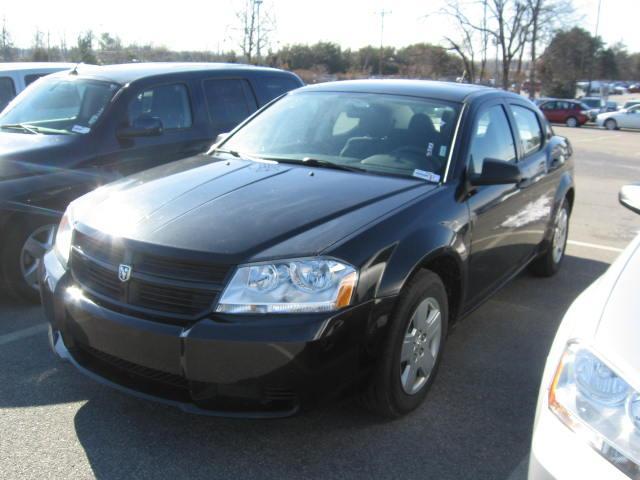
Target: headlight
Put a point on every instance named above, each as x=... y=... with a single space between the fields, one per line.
x=596 y=403
x=290 y=286
x=63 y=236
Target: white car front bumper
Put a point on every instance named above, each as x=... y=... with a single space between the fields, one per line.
x=560 y=454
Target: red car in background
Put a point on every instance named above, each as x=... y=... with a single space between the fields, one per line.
x=570 y=112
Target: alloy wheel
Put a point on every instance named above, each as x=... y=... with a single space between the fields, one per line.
x=560 y=234
x=37 y=244
x=420 y=346
x=572 y=122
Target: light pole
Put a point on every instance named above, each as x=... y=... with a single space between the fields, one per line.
x=382 y=14
x=258 y=42
x=592 y=60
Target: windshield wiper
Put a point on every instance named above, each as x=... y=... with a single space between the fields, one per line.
x=22 y=126
x=314 y=162
x=230 y=152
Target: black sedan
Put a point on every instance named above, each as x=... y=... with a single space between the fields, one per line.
x=329 y=243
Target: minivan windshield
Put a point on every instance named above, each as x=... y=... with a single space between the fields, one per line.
x=59 y=105
x=377 y=133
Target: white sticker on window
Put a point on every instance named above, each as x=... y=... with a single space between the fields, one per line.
x=424 y=175
x=80 y=129
x=443 y=150
x=430 y=149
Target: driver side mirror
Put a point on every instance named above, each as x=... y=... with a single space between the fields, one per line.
x=142 y=127
x=496 y=172
x=630 y=197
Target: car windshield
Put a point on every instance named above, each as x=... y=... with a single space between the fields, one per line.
x=67 y=105
x=376 y=133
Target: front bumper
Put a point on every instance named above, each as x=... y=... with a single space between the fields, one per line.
x=557 y=453
x=217 y=365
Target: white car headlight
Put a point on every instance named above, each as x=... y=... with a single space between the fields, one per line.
x=63 y=236
x=596 y=403
x=305 y=285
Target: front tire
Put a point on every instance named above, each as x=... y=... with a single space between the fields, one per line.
x=23 y=250
x=413 y=349
x=611 y=124
x=549 y=262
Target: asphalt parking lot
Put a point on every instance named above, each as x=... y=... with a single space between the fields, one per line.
x=476 y=423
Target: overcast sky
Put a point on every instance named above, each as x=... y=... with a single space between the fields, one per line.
x=201 y=25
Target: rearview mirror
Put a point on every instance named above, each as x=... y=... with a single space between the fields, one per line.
x=496 y=172
x=630 y=197
x=142 y=127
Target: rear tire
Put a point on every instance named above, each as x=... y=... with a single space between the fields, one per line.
x=24 y=246
x=413 y=348
x=572 y=122
x=611 y=124
x=549 y=262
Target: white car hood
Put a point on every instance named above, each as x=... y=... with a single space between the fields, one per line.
x=617 y=334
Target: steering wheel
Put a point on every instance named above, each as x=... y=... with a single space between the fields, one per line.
x=417 y=157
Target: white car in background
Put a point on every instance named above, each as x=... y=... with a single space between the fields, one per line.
x=625 y=118
x=587 y=422
x=16 y=76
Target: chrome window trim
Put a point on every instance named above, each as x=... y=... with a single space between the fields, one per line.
x=453 y=143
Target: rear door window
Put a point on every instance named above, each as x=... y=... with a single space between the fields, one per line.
x=32 y=77
x=230 y=101
x=528 y=128
x=269 y=88
x=7 y=91
x=169 y=103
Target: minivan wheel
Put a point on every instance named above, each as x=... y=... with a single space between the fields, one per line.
x=572 y=122
x=23 y=251
x=413 y=348
x=549 y=263
x=611 y=124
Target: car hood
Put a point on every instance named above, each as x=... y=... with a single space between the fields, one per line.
x=605 y=115
x=617 y=333
x=24 y=154
x=243 y=210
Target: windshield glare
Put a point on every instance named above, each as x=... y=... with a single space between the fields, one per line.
x=60 y=105
x=386 y=134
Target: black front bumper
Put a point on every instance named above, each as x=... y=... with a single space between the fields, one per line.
x=251 y=366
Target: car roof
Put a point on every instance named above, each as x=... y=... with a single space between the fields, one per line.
x=130 y=72
x=448 y=91
x=43 y=66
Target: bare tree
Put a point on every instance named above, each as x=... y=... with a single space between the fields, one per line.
x=507 y=22
x=256 y=25
x=6 y=44
x=465 y=41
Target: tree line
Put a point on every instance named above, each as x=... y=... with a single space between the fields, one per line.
x=530 y=49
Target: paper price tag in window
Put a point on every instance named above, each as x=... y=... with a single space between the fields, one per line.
x=428 y=176
x=80 y=129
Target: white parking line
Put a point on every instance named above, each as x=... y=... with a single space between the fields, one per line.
x=24 y=333
x=594 y=245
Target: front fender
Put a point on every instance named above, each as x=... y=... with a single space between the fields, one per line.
x=46 y=194
x=436 y=224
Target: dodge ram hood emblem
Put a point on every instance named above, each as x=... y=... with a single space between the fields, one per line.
x=124 y=272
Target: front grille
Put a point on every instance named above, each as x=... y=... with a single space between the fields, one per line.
x=161 y=287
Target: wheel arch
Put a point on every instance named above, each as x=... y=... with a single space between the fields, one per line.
x=447 y=264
